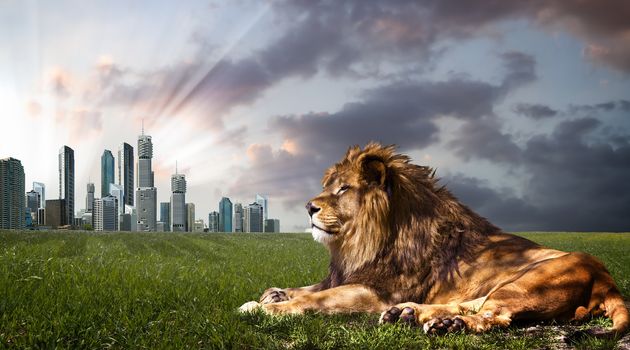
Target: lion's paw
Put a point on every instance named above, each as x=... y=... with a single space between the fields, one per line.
x=274 y=295
x=249 y=306
x=394 y=314
x=443 y=325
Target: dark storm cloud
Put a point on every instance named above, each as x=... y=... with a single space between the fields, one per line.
x=620 y=105
x=520 y=67
x=501 y=206
x=402 y=113
x=574 y=180
x=483 y=139
x=412 y=27
x=363 y=39
x=535 y=111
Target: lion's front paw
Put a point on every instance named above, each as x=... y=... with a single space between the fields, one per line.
x=249 y=306
x=274 y=295
x=395 y=314
x=443 y=325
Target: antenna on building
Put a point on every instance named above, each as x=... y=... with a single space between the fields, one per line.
x=175 y=167
x=142 y=126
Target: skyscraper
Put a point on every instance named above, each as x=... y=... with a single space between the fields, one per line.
x=178 y=200
x=225 y=215
x=190 y=216
x=107 y=171
x=253 y=218
x=238 y=217
x=32 y=204
x=125 y=172
x=147 y=208
x=66 y=182
x=213 y=222
x=12 y=195
x=56 y=213
x=41 y=189
x=118 y=192
x=262 y=200
x=146 y=195
x=272 y=225
x=145 y=154
x=89 y=198
x=165 y=215
x=105 y=216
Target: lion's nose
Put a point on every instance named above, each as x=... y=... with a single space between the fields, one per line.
x=312 y=209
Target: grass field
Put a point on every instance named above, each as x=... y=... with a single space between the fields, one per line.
x=165 y=290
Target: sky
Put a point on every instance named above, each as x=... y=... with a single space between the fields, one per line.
x=522 y=106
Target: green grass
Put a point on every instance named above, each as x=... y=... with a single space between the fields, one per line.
x=164 y=290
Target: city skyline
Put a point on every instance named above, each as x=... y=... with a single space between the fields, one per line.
x=508 y=100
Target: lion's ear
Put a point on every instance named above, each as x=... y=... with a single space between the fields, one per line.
x=374 y=171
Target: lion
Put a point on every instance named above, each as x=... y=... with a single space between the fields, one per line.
x=404 y=247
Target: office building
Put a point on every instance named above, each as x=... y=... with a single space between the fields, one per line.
x=146 y=194
x=89 y=198
x=237 y=222
x=105 y=215
x=107 y=172
x=33 y=203
x=56 y=215
x=190 y=216
x=132 y=216
x=262 y=200
x=165 y=215
x=253 y=218
x=41 y=189
x=145 y=154
x=126 y=173
x=66 y=183
x=118 y=192
x=41 y=217
x=213 y=222
x=28 y=218
x=225 y=215
x=88 y=219
x=178 y=200
x=198 y=226
x=272 y=225
x=12 y=195
x=146 y=199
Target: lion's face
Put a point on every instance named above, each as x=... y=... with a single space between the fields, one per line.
x=350 y=189
x=334 y=207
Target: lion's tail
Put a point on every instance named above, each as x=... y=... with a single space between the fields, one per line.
x=617 y=311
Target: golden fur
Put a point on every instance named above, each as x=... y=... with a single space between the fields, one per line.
x=405 y=247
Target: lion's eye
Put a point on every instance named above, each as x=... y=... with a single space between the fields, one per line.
x=343 y=189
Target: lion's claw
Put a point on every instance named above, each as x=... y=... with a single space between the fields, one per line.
x=395 y=314
x=443 y=325
x=274 y=295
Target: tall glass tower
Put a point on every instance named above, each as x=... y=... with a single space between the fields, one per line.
x=12 y=196
x=41 y=189
x=89 y=198
x=125 y=172
x=178 y=202
x=262 y=200
x=225 y=215
x=107 y=172
x=66 y=183
x=165 y=215
x=146 y=195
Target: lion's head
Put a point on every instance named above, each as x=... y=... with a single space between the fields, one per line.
x=354 y=212
x=375 y=201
